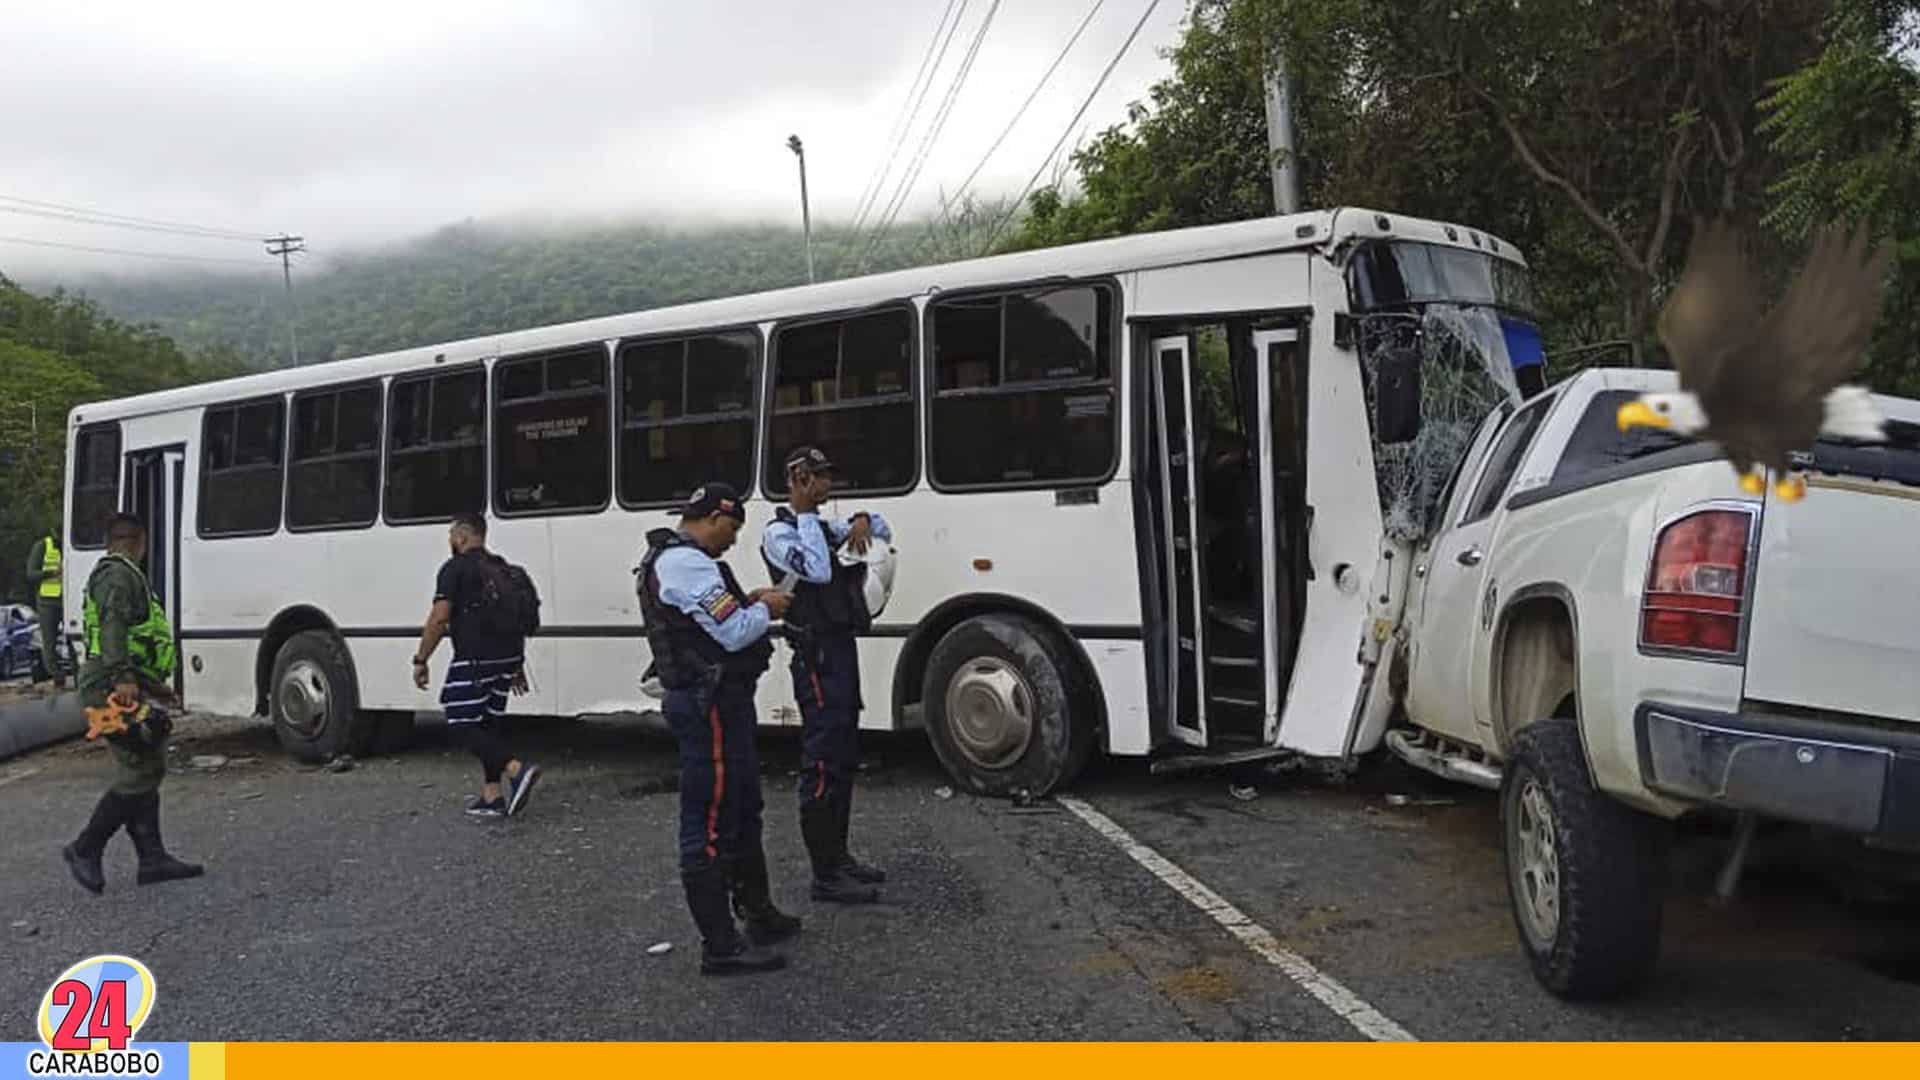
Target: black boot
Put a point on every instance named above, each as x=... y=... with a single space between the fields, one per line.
x=753 y=901
x=722 y=950
x=155 y=864
x=83 y=855
x=849 y=866
x=820 y=828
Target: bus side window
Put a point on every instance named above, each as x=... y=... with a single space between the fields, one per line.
x=242 y=458
x=846 y=386
x=1023 y=388
x=96 y=483
x=436 y=445
x=551 y=448
x=687 y=412
x=333 y=470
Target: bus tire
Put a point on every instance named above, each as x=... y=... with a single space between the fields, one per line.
x=1008 y=707
x=313 y=699
x=1586 y=874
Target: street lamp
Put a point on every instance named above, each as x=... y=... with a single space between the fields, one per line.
x=806 y=218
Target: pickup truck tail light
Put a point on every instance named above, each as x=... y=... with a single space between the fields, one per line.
x=1696 y=595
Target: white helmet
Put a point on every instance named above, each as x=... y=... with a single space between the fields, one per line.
x=879 y=560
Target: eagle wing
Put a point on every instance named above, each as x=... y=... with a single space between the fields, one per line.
x=1814 y=339
x=1712 y=313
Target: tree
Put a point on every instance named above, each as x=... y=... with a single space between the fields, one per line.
x=57 y=353
x=1585 y=132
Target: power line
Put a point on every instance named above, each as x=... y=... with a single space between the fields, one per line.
x=1071 y=124
x=896 y=135
x=129 y=219
x=961 y=191
x=919 y=97
x=81 y=219
x=124 y=251
x=908 y=180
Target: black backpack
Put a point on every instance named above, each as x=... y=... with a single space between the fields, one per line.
x=509 y=604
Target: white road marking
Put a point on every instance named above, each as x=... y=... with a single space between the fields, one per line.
x=1339 y=1000
x=11 y=775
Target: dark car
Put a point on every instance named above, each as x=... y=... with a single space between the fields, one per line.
x=19 y=640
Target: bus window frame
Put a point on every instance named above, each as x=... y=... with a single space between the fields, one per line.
x=286 y=443
x=1116 y=378
x=380 y=453
x=916 y=336
x=386 y=436
x=120 y=454
x=758 y=414
x=493 y=405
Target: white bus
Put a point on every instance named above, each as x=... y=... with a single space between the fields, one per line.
x=1143 y=490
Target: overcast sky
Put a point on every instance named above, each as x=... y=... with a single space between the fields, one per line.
x=355 y=122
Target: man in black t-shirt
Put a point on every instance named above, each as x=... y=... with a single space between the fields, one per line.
x=487 y=662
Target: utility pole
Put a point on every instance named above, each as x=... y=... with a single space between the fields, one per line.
x=1280 y=147
x=284 y=246
x=806 y=217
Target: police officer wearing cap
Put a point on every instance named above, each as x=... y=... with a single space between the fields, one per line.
x=829 y=610
x=709 y=644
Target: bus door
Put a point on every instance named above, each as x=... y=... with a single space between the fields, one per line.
x=1183 y=601
x=155 y=490
x=1281 y=389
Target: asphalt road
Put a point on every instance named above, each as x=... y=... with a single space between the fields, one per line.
x=364 y=905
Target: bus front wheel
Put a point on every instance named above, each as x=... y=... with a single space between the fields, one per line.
x=313 y=698
x=1008 y=707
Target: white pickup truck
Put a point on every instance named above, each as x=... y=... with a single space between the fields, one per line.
x=1604 y=627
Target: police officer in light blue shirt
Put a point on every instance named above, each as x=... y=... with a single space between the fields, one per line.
x=829 y=612
x=709 y=643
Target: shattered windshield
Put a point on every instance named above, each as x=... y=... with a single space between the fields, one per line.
x=1464 y=319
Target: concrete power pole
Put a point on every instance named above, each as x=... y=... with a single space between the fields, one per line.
x=1286 y=175
x=284 y=246
x=806 y=216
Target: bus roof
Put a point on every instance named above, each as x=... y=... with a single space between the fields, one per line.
x=1173 y=247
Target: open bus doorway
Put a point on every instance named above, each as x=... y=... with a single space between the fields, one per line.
x=1226 y=487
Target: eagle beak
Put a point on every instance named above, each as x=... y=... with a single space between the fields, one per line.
x=1639 y=414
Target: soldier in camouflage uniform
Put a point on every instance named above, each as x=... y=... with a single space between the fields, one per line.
x=130 y=655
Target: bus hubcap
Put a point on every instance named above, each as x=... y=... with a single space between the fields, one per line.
x=305 y=697
x=990 y=710
x=1537 y=865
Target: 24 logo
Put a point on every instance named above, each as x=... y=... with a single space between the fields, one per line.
x=89 y=1016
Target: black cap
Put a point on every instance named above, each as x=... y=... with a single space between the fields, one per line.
x=714 y=498
x=811 y=457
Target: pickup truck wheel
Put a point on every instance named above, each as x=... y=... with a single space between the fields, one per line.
x=1008 y=709
x=1586 y=874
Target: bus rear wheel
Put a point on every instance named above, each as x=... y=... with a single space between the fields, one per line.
x=313 y=699
x=1008 y=707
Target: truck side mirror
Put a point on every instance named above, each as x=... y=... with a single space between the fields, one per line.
x=1396 y=397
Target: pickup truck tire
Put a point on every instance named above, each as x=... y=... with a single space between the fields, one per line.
x=1008 y=708
x=1586 y=874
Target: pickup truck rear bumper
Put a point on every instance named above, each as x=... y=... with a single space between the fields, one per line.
x=1846 y=775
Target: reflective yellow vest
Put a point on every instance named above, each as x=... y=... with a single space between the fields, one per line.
x=149 y=643
x=50 y=570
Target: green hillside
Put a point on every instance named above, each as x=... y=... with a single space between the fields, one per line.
x=467 y=280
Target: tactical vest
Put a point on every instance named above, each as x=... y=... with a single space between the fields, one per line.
x=150 y=642
x=50 y=570
x=835 y=609
x=684 y=654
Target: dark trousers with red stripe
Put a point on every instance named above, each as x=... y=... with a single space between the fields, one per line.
x=826 y=682
x=719 y=773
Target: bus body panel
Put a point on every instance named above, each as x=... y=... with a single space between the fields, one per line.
x=1254 y=283
x=1342 y=543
